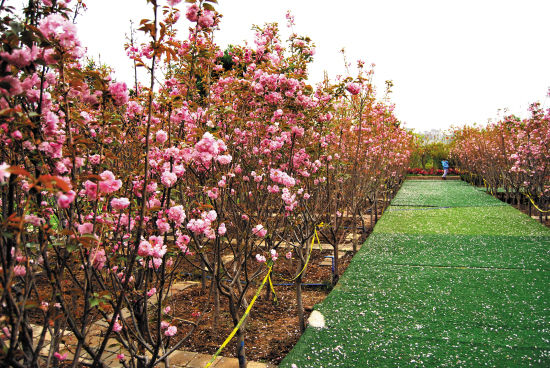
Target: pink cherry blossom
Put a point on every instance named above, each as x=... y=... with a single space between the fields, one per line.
x=119 y=92
x=16 y=134
x=211 y=215
x=206 y=19
x=90 y=189
x=4 y=173
x=120 y=203
x=168 y=179
x=109 y=184
x=98 y=258
x=117 y=327
x=145 y=248
x=176 y=214
x=19 y=270
x=171 y=331
x=86 y=228
x=222 y=229
x=60 y=356
x=353 y=88
x=64 y=200
x=161 y=136
x=224 y=159
x=58 y=28
x=192 y=13
x=21 y=57
x=151 y=292
x=259 y=230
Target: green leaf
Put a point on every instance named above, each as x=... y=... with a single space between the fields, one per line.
x=208 y=7
x=94 y=302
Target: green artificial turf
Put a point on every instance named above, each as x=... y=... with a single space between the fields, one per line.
x=462 y=286
x=487 y=220
x=436 y=193
x=395 y=315
x=474 y=251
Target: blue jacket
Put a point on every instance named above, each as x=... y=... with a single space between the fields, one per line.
x=445 y=164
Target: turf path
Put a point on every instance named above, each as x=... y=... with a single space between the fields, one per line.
x=449 y=277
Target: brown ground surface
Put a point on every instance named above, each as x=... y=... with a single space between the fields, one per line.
x=271 y=329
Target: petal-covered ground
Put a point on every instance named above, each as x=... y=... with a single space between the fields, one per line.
x=449 y=277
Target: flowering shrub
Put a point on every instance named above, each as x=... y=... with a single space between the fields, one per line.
x=107 y=191
x=512 y=154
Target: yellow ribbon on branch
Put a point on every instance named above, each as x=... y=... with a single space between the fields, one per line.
x=315 y=236
x=241 y=321
x=487 y=186
x=534 y=205
x=266 y=278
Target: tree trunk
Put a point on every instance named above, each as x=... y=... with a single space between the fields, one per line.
x=354 y=237
x=216 y=309
x=300 y=304
x=203 y=275
x=241 y=353
x=336 y=262
x=371 y=217
x=267 y=294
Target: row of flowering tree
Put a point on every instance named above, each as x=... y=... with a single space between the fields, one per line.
x=108 y=192
x=513 y=154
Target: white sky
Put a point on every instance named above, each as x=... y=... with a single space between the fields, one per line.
x=452 y=62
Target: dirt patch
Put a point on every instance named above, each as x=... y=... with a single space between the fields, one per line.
x=272 y=327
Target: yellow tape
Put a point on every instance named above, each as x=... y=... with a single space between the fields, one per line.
x=538 y=209
x=266 y=278
x=241 y=321
x=272 y=290
x=315 y=236
x=487 y=186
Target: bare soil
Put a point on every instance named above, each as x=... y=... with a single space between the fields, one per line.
x=271 y=328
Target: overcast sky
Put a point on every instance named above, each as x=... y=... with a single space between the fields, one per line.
x=452 y=62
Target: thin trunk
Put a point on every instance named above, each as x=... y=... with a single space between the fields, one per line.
x=336 y=262
x=354 y=236
x=267 y=294
x=299 y=303
x=216 y=309
x=371 y=217
x=203 y=275
x=241 y=353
